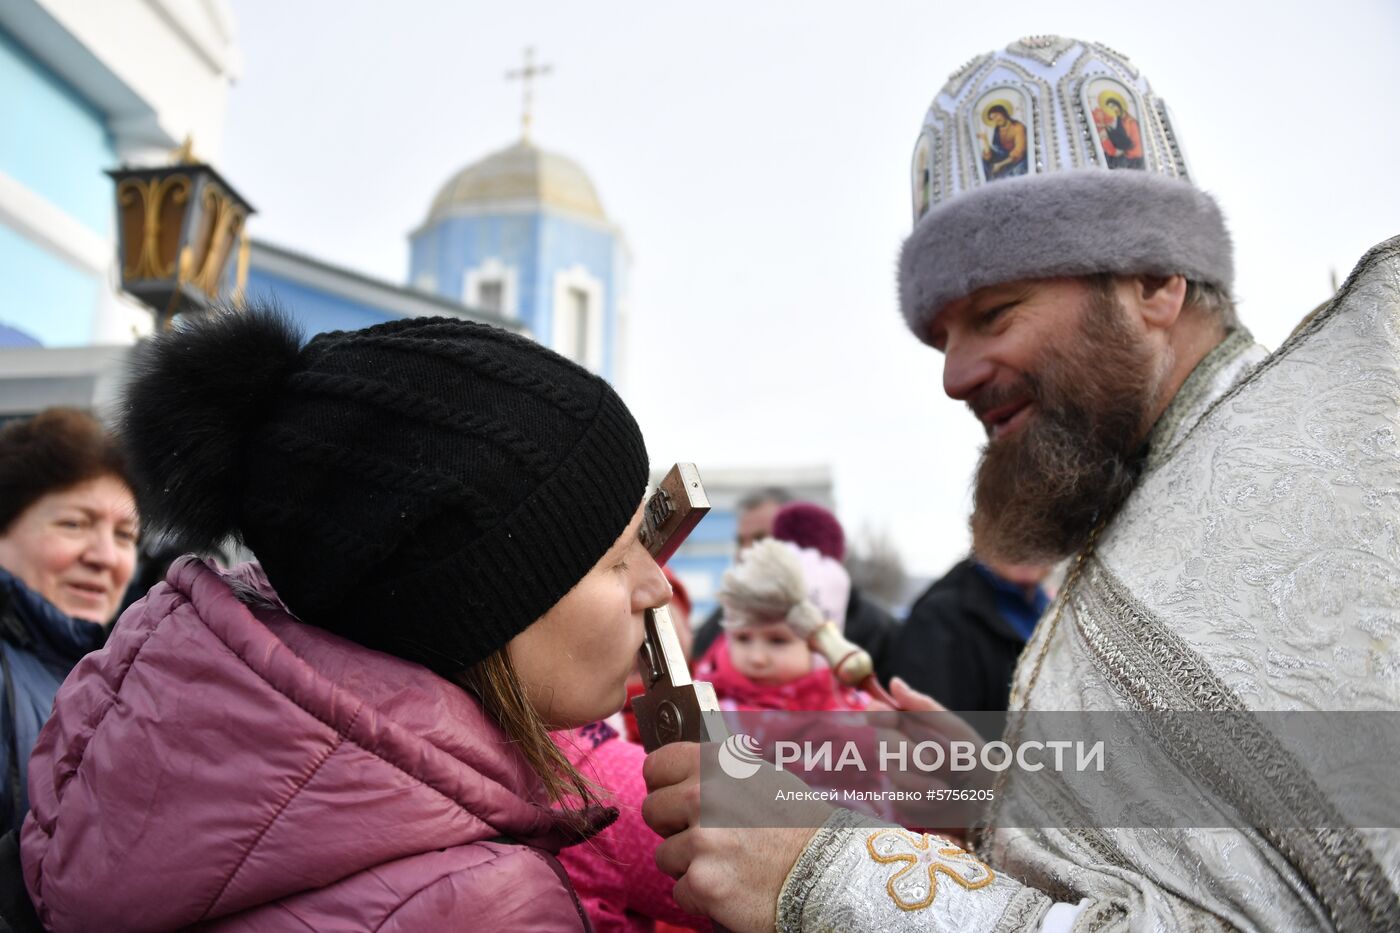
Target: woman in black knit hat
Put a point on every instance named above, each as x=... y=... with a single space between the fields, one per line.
x=351 y=733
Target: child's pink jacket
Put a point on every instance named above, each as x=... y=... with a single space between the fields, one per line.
x=615 y=872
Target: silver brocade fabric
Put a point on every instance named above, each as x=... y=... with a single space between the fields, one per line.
x=1255 y=567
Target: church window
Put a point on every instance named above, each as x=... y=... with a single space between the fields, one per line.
x=577 y=327
x=578 y=308
x=490 y=295
x=492 y=287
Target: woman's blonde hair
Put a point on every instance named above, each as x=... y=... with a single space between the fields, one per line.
x=496 y=684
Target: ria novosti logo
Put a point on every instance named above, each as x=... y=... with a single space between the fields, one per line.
x=740 y=756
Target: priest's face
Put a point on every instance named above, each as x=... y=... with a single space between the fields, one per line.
x=1063 y=379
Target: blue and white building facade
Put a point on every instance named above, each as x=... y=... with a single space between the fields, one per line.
x=83 y=87
x=518 y=239
x=522 y=233
x=322 y=297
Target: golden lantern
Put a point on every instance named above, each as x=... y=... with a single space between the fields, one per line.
x=177 y=226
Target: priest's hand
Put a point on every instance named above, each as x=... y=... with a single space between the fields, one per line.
x=733 y=869
x=921 y=719
x=910 y=700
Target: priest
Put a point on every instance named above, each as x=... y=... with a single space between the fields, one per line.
x=1228 y=517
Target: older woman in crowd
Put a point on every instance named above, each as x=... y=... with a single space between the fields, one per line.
x=67 y=551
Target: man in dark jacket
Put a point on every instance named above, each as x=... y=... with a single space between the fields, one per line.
x=964 y=635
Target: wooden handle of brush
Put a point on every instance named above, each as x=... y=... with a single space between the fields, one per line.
x=851 y=662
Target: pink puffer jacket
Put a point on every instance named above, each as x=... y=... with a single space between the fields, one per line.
x=222 y=764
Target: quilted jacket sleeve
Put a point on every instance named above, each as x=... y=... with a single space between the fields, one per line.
x=485 y=886
x=523 y=890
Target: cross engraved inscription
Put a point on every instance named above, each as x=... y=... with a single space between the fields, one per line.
x=658 y=509
x=922 y=858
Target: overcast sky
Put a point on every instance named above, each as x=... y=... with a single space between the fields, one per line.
x=756 y=156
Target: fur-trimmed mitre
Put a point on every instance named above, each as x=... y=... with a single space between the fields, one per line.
x=1063 y=224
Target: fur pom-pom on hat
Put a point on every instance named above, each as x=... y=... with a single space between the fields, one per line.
x=194 y=397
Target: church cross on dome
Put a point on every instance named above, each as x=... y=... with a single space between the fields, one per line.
x=526 y=76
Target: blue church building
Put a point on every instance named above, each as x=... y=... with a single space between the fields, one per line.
x=517 y=239
x=522 y=234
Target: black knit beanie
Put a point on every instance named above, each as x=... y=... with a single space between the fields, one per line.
x=427 y=487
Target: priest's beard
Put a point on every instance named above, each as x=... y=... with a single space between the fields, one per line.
x=1040 y=492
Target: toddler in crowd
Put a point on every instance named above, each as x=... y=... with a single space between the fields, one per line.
x=763 y=661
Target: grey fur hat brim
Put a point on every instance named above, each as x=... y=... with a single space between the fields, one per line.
x=1071 y=223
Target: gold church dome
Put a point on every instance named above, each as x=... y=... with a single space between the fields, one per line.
x=522 y=173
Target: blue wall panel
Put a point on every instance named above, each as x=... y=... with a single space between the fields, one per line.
x=712 y=567
x=44 y=296
x=537 y=246
x=719 y=525
x=566 y=243
x=452 y=246
x=52 y=140
x=316 y=311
